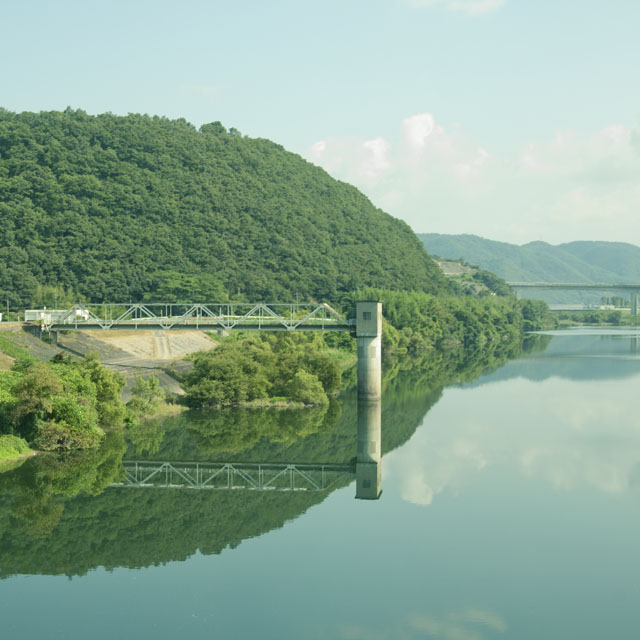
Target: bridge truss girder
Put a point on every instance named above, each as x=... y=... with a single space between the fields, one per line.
x=234 y=476
x=221 y=316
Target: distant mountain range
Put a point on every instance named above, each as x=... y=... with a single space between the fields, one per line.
x=542 y=262
x=539 y=261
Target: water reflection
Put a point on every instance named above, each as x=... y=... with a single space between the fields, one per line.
x=534 y=481
x=70 y=513
x=368 y=464
x=560 y=417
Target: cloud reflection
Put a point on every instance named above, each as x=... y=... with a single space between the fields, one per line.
x=472 y=623
x=569 y=434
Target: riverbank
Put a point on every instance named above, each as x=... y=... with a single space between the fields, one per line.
x=13 y=449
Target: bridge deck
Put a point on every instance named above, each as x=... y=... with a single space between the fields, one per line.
x=576 y=285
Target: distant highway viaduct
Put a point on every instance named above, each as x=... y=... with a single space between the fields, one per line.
x=632 y=288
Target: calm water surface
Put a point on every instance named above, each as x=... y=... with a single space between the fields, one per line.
x=510 y=509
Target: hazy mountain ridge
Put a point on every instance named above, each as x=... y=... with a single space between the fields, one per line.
x=580 y=261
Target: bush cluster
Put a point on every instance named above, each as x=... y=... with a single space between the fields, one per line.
x=62 y=405
x=263 y=367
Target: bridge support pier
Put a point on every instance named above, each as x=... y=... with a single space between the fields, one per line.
x=369 y=336
x=634 y=303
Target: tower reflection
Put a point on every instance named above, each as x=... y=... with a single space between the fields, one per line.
x=368 y=462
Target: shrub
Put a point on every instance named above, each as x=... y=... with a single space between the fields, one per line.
x=12 y=446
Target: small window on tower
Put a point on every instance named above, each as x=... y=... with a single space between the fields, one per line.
x=366 y=315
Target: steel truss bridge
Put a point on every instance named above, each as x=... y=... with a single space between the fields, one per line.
x=234 y=475
x=214 y=316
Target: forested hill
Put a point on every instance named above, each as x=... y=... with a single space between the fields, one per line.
x=542 y=262
x=146 y=208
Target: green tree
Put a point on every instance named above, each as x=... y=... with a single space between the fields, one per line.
x=35 y=393
x=146 y=396
x=306 y=388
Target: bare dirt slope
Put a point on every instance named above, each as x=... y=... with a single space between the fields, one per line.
x=5 y=362
x=453 y=268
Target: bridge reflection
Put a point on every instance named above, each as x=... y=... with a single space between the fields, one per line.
x=234 y=475
x=272 y=476
x=295 y=476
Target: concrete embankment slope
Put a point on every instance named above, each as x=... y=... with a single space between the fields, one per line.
x=14 y=332
x=133 y=353
x=140 y=352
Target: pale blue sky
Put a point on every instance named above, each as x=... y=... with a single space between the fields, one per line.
x=503 y=76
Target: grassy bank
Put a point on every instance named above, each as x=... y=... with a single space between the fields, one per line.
x=605 y=317
x=12 y=448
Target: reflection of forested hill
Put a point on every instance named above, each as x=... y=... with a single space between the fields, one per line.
x=608 y=357
x=135 y=528
x=47 y=527
x=303 y=436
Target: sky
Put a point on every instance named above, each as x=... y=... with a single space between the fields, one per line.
x=515 y=120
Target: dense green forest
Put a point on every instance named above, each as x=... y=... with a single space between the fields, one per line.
x=418 y=327
x=130 y=208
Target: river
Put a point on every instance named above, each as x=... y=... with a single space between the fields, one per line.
x=510 y=508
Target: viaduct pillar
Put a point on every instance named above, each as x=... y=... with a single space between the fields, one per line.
x=634 y=303
x=369 y=336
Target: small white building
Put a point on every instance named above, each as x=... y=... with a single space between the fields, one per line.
x=51 y=316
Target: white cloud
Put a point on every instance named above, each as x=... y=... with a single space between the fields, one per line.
x=571 y=186
x=417 y=129
x=317 y=149
x=376 y=160
x=470 y=7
